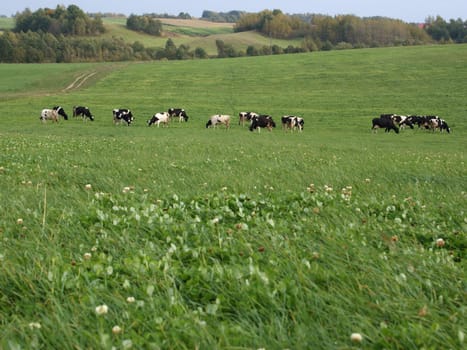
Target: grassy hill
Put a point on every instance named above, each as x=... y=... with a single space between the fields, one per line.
x=195 y=33
x=186 y=237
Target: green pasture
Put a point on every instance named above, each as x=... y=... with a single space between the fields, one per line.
x=231 y=239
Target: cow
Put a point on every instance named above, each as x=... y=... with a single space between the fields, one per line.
x=438 y=123
x=49 y=114
x=402 y=121
x=246 y=116
x=399 y=120
x=384 y=122
x=218 y=119
x=178 y=112
x=84 y=112
x=262 y=121
x=292 y=122
x=158 y=118
x=122 y=115
x=53 y=114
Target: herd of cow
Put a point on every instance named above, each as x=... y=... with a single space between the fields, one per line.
x=394 y=122
x=256 y=121
x=124 y=115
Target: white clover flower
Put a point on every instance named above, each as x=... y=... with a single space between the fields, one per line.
x=356 y=337
x=126 y=189
x=88 y=187
x=102 y=309
x=35 y=325
x=440 y=242
x=130 y=299
x=127 y=344
x=116 y=329
x=19 y=221
x=87 y=256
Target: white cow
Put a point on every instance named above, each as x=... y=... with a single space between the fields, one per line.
x=49 y=114
x=218 y=119
x=158 y=118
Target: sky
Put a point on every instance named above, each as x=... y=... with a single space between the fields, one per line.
x=407 y=10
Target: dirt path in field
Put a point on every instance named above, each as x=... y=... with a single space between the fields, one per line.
x=78 y=82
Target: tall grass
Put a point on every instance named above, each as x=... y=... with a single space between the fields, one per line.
x=201 y=238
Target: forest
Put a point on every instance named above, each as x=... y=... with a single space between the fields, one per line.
x=67 y=34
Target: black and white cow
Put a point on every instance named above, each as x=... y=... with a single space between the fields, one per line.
x=53 y=114
x=218 y=119
x=384 y=122
x=262 y=121
x=246 y=117
x=180 y=113
x=158 y=118
x=292 y=122
x=438 y=123
x=84 y=112
x=402 y=121
x=122 y=115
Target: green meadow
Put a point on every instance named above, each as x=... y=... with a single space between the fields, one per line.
x=182 y=237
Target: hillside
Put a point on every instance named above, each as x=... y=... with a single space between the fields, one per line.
x=194 y=33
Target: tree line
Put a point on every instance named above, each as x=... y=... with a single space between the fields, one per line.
x=326 y=32
x=69 y=35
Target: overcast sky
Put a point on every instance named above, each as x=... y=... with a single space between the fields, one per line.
x=407 y=10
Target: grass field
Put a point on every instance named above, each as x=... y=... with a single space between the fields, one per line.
x=186 y=237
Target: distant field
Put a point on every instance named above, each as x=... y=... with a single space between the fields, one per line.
x=6 y=23
x=192 y=238
x=194 y=33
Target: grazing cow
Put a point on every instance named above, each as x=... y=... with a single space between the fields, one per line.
x=122 y=115
x=178 y=112
x=399 y=120
x=53 y=114
x=386 y=123
x=262 y=121
x=438 y=123
x=402 y=121
x=158 y=118
x=292 y=122
x=218 y=119
x=49 y=114
x=246 y=116
x=84 y=112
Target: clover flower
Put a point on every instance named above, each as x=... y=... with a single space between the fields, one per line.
x=440 y=242
x=356 y=337
x=35 y=325
x=102 y=309
x=116 y=329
